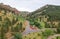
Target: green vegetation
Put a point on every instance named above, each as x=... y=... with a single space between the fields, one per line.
x=58 y=37
x=48 y=13
x=48 y=32
x=17 y=35
x=49 y=10
x=10 y=22
x=33 y=35
x=47 y=19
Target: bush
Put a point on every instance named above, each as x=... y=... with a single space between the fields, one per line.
x=48 y=32
x=58 y=30
x=18 y=35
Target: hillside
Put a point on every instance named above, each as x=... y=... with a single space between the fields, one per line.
x=24 y=13
x=48 y=10
x=7 y=7
x=10 y=22
x=46 y=16
x=39 y=24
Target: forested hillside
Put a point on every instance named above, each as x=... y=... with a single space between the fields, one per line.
x=24 y=13
x=48 y=14
x=48 y=10
x=39 y=24
x=46 y=17
x=10 y=23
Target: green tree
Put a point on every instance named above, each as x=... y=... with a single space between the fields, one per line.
x=18 y=35
x=48 y=32
x=18 y=27
x=58 y=28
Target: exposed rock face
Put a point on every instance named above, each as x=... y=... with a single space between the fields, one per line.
x=7 y=7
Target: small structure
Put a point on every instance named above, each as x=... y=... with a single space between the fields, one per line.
x=29 y=29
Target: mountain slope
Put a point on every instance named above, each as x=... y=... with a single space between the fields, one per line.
x=49 y=10
x=24 y=13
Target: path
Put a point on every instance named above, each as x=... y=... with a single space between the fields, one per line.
x=53 y=36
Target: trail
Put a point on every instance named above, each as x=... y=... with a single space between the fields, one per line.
x=53 y=36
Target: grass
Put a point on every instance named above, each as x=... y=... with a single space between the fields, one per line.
x=34 y=35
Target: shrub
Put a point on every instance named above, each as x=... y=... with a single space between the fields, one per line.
x=48 y=32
